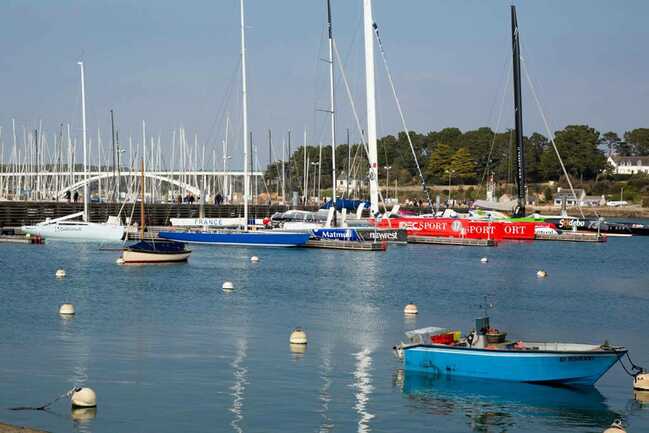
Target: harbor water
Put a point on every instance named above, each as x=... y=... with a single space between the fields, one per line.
x=167 y=350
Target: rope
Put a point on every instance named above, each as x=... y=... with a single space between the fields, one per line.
x=46 y=405
x=635 y=369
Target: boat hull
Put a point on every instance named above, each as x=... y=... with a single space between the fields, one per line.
x=464 y=228
x=131 y=257
x=256 y=239
x=77 y=231
x=575 y=368
x=362 y=234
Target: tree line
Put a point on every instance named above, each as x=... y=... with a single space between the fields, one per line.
x=466 y=157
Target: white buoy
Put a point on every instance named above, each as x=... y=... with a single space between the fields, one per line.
x=119 y=261
x=66 y=309
x=410 y=309
x=84 y=397
x=298 y=336
x=227 y=285
x=484 y=260
x=616 y=427
x=541 y=273
x=60 y=273
x=254 y=259
x=641 y=382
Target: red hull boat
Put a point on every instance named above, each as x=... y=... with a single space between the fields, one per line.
x=464 y=227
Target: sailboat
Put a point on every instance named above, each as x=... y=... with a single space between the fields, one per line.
x=153 y=251
x=67 y=227
x=476 y=226
x=245 y=237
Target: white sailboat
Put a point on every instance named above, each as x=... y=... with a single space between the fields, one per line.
x=66 y=227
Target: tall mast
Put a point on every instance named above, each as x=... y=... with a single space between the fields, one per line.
x=371 y=106
x=112 y=129
x=142 y=201
x=85 y=149
x=518 y=116
x=244 y=99
x=332 y=106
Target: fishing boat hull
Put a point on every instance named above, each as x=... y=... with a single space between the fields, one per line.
x=77 y=231
x=465 y=228
x=564 y=367
x=256 y=239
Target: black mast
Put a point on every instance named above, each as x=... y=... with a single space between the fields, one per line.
x=518 y=117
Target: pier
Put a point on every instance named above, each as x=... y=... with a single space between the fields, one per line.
x=346 y=245
x=437 y=240
x=571 y=237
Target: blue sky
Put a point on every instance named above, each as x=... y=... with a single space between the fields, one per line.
x=172 y=63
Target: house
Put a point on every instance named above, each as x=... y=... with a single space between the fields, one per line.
x=629 y=164
x=582 y=199
x=355 y=185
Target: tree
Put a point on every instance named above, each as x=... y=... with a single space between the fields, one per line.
x=534 y=147
x=439 y=162
x=638 y=139
x=577 y=145
x=610 y=139
x=462 y=165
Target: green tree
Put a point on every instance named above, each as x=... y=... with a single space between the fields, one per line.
x=638 y=139
x=439 y=162
x=611 y=140
x=462 y=165
x=577 y=145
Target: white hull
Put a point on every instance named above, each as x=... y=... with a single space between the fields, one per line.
x=144 y=257
x=77 y=231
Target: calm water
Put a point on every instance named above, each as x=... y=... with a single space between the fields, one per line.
x=168 y=351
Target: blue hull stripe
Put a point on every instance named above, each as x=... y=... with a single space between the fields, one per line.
x=570 y=368
x=239 y=238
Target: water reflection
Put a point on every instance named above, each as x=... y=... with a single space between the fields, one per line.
x=82 y=419
x=499 y=406
x=240 y=381
x=364 y=388
x=325 y=392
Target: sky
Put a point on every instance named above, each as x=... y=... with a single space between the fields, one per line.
x=176 y=64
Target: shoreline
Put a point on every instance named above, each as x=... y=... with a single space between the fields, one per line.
x=10 y=428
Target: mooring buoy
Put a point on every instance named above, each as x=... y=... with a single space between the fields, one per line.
x=66 y=309
x=298 y=336
x=227 y=285
x=84 y=397
x=641 y=382
x=541 y=273
x=410 y=309
x=484 y=260
x=615 y=427
x=60 y=273
x=119 y=261
x=254 y=259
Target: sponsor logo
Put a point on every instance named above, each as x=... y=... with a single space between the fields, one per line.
x=575 y=358
x=383 y=236
x=338 y=234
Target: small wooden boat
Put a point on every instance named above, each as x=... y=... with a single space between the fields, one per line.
x=149 y=251
x=156 y=251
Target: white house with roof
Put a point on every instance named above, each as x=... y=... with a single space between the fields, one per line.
x=629 y=164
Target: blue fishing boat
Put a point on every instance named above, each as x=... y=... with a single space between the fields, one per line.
x=239 y=238
x=481 y=355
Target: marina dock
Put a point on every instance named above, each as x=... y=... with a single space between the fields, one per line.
x=346 y=245
x=21 y=239
x=571 y=237
x=437 y=240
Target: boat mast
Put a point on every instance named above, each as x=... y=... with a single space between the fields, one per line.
x=332 y=108
x=85 y=150
x=371 y=105
x=112 y=129
x=246 y=186
x=518 y=117
x=142 y=201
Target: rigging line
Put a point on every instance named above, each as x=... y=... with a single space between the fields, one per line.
x=401 y=115
x=551 y=136
x=499 y=119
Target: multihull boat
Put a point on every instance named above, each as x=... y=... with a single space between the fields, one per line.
x=260 y=238
x=520 y=361
x=155 y=251
x=66 y=228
